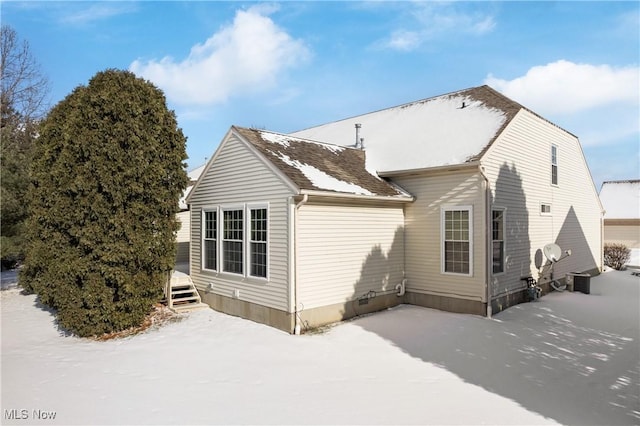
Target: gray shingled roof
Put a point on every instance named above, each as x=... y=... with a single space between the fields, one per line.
x=317 y=166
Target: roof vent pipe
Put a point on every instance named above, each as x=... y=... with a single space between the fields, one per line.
x=362 y=143
x=358 y=126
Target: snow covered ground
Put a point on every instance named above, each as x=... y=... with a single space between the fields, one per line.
x=9 y=279
x=568 y=358
x=634 y=260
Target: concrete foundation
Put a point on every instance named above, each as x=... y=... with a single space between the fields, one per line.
x=317 y=317
x=443 y=303
x=309 y=319
x=273 y=317
x=503 y=302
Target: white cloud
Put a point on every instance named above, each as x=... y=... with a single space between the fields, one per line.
x=245 y=55
x=404 y=40
x=563 y=87
x=598 y=103
x=97 y=12
x=430 y=20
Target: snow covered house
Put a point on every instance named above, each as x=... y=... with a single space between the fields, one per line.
x=445 y=202
x=621 y=201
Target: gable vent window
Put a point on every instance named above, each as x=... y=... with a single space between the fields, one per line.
x=554 y=165
x=545 y=209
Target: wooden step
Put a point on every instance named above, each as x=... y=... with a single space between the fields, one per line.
x=183 y=294
x=190 y=307
x=186 y=299
x=187 y=291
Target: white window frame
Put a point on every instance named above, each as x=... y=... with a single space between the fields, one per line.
x=250 y=241
x=247 y=241
x=443 y=240
x=554 y=164
x=222 y=238
x=504 y=242
x=203 y=254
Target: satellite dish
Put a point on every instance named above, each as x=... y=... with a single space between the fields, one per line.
x=552 y=252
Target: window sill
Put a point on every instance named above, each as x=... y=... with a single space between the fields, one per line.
x=456 y=274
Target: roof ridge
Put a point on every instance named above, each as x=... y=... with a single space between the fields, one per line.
x=622 y=181
x=449 y=94
x=402 y=105
x=296 y=138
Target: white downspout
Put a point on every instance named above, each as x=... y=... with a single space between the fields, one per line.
x=293 y=269
x=603 y=212
x=488 y=248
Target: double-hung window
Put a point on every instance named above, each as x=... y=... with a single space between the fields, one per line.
x=497 y=240
x=210 y=240
x=258 y=242
x=554 y=165
x=456 y=245
x=233 y=241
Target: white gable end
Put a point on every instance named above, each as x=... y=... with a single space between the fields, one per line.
x=621 y=199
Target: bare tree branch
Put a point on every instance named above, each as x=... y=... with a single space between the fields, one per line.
x=23 y=87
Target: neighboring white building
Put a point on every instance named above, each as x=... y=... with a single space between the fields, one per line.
x=621 y=201
x=184 y=217
x=445 y=203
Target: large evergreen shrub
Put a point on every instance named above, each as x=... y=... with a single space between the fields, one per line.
x=106 y=179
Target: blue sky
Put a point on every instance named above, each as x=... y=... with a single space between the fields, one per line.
x=291 y=65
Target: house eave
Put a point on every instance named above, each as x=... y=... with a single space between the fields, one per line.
x=430 y=170
x=359 y=197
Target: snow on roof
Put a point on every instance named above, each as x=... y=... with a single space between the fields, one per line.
x=621 y=199
x=313 y=165
x=284 y=140
x=320 y=179
x=183 y=200
x=444 y=130
x=194 y=174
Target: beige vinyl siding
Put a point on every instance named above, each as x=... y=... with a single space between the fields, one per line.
x=629 y=235
x=423 y=237
x=184 y=218
x=518 y=166
x=343 y=252
x=182 y=236
x=238 y=177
